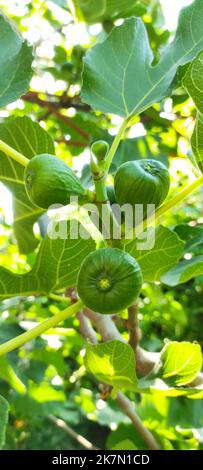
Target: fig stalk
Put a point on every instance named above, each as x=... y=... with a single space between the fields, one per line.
x=12 y=153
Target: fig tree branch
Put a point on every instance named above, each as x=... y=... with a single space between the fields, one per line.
x=60 y=423
x=106 y=327
x=133 y=326
x=74 y=143
x=86 y=329
x=33 y=97
x=128 y=408
x=59 y=101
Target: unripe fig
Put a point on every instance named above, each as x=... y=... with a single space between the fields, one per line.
x=48 y=180
x=109 y=280
x=142 y=182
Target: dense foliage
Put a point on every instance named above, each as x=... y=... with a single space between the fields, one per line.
x=93 y=93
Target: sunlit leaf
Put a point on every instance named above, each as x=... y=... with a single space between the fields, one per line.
x=45 y=392
x=181 y=361
x=160 y=388
x=113 y=363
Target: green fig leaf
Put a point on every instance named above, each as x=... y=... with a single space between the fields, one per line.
x=119 y=76
x=16 y=60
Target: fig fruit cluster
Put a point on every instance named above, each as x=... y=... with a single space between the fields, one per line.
x=109 y=279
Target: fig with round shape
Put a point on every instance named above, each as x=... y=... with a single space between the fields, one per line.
x=109 y=280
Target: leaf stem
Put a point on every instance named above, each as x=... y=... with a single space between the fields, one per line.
x=10 y=152
x=100 y=188
x=103 y=204
x=100 y=171
x=115 y=144
x=59 y=298
x=182 y=195
x=39 y=329
x=54 y=106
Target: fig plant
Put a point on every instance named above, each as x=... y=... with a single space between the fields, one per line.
x=99 y=276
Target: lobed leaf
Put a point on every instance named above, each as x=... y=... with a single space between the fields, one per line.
x=119 y=76
x=56 y=267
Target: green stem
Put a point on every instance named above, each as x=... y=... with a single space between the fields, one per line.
x=99 y=176
x=115 y=145
x=59 y=298
x=39 y=329
x=89 y=196
x=103 y=203
x=100 y=188
x=179 y=198
x=103 y=167
x=10 y=152
x=99 y=172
